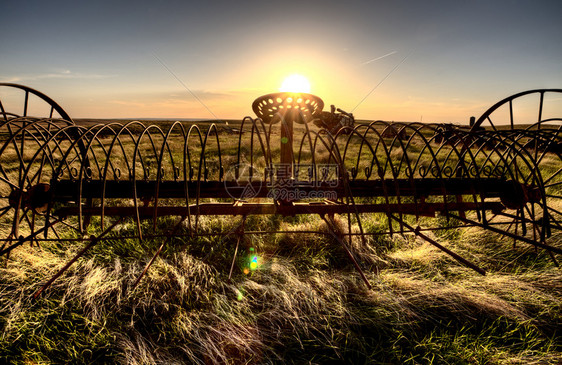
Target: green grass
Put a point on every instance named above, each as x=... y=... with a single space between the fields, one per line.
x=304 y=303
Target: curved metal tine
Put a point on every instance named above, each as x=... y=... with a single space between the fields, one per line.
x=351 y=201
x=467 y=140
x=103 y=171
x=4 y=210
x=464 y=140
x=441 y=174
x=381 y=171
x=5 y=180
x=17 y=215
x=364 y=142
x=509 y=234
x=22 y=240
x=503 y=157
x=542 y=233
x=551 y=142
x=457 y=257
x=557 y=212
x=159 y=172
x=33 y=130
x=526 y=220
x=405 y=158
x=519 y=153
x=336 y=234
x=86 y=149
x=417 y=131
x=396 y=170
x=533 y=221
x=58 y=137
x=186 y=167
x=541 y=104
x=230 y=232
x=197 y=133
x=38 y=173
x=341 y=165
x=93 y=241
x=534 y=172
x=203 y=169
x=240 y=237
x=30 y=223
x=54 y=172
x=546 y=182
x=77 y=146
x=168 y=238
x=18 y=152
x=26 y=173
x=3 y=111
x=137 y=152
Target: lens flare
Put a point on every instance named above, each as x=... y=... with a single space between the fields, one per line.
x=254 y=263
x=239 y=295
x=295 y=84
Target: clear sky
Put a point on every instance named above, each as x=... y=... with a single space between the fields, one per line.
x=440 y=60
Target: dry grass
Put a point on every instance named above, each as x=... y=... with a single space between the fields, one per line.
x=304 y=303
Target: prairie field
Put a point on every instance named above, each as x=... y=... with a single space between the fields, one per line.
x=294 y=295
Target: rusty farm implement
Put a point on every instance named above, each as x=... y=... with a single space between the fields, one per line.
x=58 y=176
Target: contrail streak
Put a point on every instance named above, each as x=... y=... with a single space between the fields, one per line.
x=184 y=85
x=378 y=58
x=373 y=89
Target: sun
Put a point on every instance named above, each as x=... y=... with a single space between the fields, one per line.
x=295 y=84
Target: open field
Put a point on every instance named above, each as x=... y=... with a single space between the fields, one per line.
x=294 y=297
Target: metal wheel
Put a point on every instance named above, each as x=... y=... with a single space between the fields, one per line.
x=531 y=109
x=22 y=101
x=28 y=155
x=530 y=124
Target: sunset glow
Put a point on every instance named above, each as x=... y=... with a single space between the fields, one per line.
x=295 y=84
x=381 y=60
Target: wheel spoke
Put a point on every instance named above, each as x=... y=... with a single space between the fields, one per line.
x=5 y=179
x=553 y=184
x=4 y=210
x=553 y=175
x=553 y=220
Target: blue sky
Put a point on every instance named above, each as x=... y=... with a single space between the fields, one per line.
x=456 y=58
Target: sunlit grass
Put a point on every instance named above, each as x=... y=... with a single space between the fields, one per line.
x=302 y=302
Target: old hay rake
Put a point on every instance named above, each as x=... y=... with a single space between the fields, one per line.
x=57 y=175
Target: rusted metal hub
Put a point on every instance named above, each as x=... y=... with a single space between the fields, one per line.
x=37 y=198
x=515 y=195
x=307 y=105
